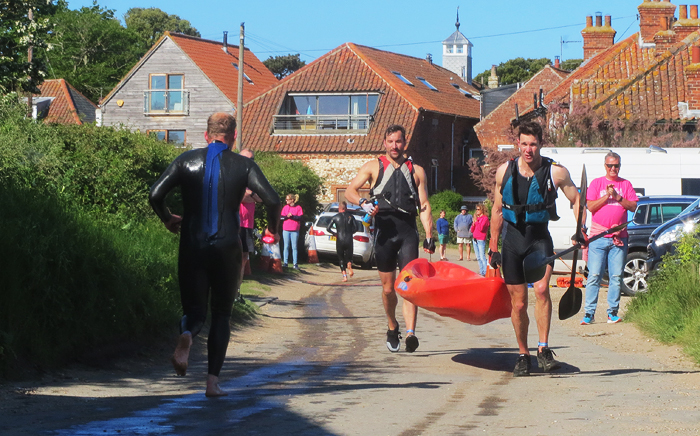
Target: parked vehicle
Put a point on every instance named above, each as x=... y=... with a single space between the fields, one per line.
x=651 y=212
x=664 y=237
x=363 y=244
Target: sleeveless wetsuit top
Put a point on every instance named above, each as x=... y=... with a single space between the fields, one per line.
x=396 y=190
x=531 y=203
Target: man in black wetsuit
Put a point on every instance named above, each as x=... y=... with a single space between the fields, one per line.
x=524 y=203
x=213 y=181
x=399 y=187
x=345 y=224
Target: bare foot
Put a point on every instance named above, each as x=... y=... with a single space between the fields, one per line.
x=182 y=353
x=213 y=389
x=350 y=271
x=345 y=278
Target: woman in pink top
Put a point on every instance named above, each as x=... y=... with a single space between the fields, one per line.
x=479 y=228
x=291 y=223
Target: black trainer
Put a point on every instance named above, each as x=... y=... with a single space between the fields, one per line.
x=545 y=360
x=393 y=340
x=411 y=343
x=522 y=366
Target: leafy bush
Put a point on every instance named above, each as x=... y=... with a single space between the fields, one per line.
x=670 y=309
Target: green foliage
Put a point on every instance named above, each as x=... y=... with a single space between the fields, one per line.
x=515 y=70
x=91 y=50
x=17 y=34
x=670 y=309
x=570 y=64
x=450 y=202
x=151 y=23
x=283 y=66
x=291 y=177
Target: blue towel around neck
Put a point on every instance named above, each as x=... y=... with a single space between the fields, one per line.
x=210 y=187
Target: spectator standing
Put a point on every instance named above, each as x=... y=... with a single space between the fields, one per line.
x=443 y=230
x=247 y=216
x=463 y=223
x=291 y=223
x=608 y=199
x=479 y=228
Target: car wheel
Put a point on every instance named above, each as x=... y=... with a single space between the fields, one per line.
x=634 y=274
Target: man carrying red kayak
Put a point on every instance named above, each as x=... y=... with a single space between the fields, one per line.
x=524 y=203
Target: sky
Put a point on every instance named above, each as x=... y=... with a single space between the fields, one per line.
x=499 y=29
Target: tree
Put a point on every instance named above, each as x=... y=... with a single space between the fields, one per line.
x=283 y=66
x=515 y=70
x=570 y=64
x=91 y=50
x=151 y=23
x=17 y=34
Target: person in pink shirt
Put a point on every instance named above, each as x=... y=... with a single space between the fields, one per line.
x=479 y=228
x=247 y=217
x=291 y=223
x=608 y=199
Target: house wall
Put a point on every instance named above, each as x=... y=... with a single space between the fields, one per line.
x=204 y=100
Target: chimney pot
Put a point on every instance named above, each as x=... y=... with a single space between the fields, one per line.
x=598 y=19
x=696 y=55
x=589 y=21
x=693 y=12
x=683 y=12
x=608 y=21
x=556 y=61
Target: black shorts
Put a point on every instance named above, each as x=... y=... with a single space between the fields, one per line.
x=246 y=239
x=396 y=241
x=518 y=243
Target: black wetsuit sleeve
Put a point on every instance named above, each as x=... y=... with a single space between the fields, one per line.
x=160 y=189
x=333 y=223
x=259 y=184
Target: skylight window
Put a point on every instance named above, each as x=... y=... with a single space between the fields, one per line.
x=468 y=94
x=403 y=79
x=426 y=83
x=244 y=74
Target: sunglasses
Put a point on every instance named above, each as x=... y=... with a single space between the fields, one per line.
x=611 y=166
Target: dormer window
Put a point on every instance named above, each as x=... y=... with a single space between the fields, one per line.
x=326 y=113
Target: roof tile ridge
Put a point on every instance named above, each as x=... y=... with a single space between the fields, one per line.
x=391 y=81
x=513 y=95
x=660 y=60
x=135 y=68
x=295 y=74
x=71 y=103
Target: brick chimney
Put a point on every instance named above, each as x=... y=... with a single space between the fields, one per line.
x=692 y=82
x=665 y=38
x=556 y=62
x=598 y=37
x=686 y=24
x=493 y=79
x=652 y=15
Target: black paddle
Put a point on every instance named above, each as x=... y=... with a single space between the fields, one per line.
x=535 y=263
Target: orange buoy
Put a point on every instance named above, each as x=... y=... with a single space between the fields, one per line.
x=452 y=290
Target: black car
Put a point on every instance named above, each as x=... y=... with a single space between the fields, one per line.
x=663 y=239
x=651 y=212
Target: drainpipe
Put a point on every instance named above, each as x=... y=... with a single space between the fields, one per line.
x=452 y=156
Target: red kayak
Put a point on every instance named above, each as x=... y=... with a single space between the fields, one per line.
x=452 y=290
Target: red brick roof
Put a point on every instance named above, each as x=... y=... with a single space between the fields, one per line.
x=492 y=130
x=355 y=68
x=217 y=65
x=69 y=106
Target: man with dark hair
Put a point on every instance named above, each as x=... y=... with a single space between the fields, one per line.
x=524 y=203
x=345 y=225
x=399 y=188
x=213 y=181
x=608 y=199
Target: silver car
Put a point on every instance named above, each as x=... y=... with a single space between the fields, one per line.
x=363 y=239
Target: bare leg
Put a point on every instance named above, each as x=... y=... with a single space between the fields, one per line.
x=461 y=250
x=518 y=316
x=350 y=271
x=410 y=314
x=389 y=298
x=543 y=307
x=182 y=353
x=443 y=249
x=213 y=388
x=469 y=251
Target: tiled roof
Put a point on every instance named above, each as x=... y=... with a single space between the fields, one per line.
x=354 y=68
x=68 y=106
x=492 y=130
x=217 y=65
